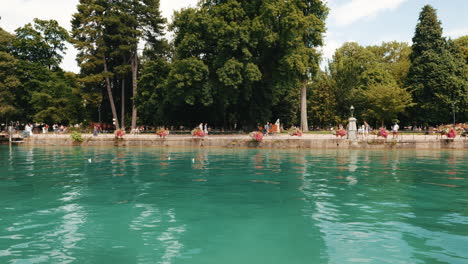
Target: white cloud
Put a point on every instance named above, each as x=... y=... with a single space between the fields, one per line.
x=333 y=41
x=329 y=48
x=168 y=6
x=17 y=13
x=456 y=32
x=355 y=10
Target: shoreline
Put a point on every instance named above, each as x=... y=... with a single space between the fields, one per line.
x=280 y=141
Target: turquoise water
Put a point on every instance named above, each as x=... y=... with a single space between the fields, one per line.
x=152 y=205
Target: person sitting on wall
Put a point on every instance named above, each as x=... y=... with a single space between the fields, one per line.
x=341 y=132
x=119 y=134
x=452 y=133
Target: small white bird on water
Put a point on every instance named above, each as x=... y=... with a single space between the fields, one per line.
x=193 y=160
x=89 y=160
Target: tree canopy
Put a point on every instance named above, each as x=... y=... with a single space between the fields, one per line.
x=437 y=75
x=230 y=63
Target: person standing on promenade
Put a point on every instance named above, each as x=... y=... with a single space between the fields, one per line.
x=26 y=130
x=95 y=130
x=395 y=130
x=366 y=128
x=205 y=129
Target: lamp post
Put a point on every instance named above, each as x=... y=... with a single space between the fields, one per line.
x=352 y=129
x=85 y=102
x=99 y=114
x=453 y=112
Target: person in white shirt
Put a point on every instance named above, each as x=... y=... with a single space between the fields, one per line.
x=28 y=129
x=395 y=130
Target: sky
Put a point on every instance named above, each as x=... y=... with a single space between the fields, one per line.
x=367 y=22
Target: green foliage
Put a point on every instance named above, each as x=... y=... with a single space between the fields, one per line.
x=394 y=58
x=462 y=44
x=151 y=93
x=349 y=64
x=385 y=101
x=76 y=137
x=32 y=85
x=107 y=36
x=251 y=58
x=42 y=43
x=437 y=76
x=8 y=78
x=322 y=101
x=50 y=96
x=356 y=69
x=230 y=62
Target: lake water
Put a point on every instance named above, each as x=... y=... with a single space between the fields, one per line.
x=202 y=206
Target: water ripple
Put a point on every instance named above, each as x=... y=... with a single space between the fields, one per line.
x=150 y=205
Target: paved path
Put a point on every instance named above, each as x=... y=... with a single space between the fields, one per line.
x=401 y=137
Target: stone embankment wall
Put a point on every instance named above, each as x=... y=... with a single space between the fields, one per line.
x=242 y=141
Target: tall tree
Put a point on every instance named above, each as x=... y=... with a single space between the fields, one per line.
x=456 y=89
x=150 y=28
x=107 y=33
x=8 y=78
x=347 y=69
x=435 y=74
x=323 y=110
x=257 y=54
x=460 y=49
x=88 y=33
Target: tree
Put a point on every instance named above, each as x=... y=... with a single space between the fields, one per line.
x=258 y=55
x=460 y=49
x=8 y=78
x=456 y=85
x=357 y=72
x=151 y=95
x=88 y=33
x=385 y=101
x=139 y=20
x=56 y=98
x=349 y=63
x=107 y=34
x=435 y=76
x=42 y=43
x=394 y=58
x=462 y=44
x=31 y=78
x=323 y=110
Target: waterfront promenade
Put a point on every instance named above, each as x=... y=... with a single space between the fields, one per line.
x=404 y=141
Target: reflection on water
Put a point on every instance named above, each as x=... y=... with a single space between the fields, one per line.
x=117 y=205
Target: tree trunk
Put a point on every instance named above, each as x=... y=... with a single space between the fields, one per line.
x=111 y=98
x=134 y=84
x=304 y=126
x=123 y=104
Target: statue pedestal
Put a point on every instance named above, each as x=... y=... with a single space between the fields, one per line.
x=352 y=129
